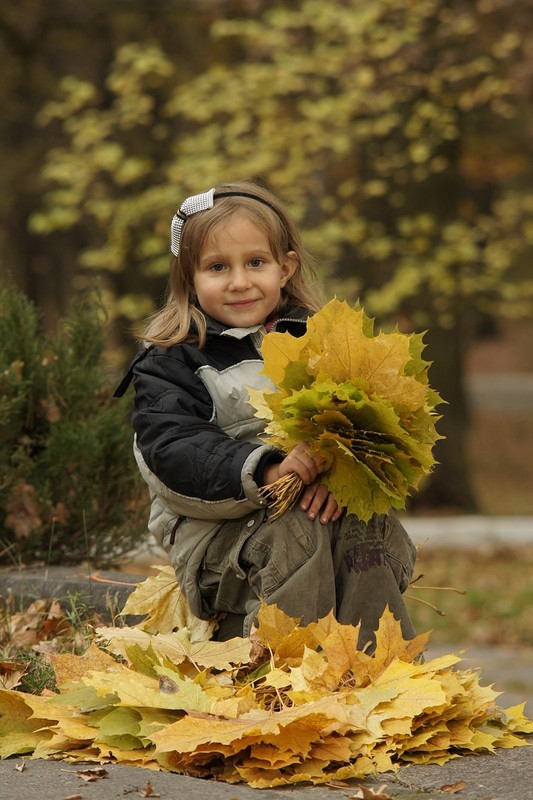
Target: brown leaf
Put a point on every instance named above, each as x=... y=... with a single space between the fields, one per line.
x=92 y=774
x=22 y=626
x=23 y=510
x=74 y=797
x=56 y=622
x=453 y=788
x=367 y=793
x=259 y=652
x=21 y=767
x=60 y=513
x=10 y=674
x=49 y=409
x=148 y=791
x=167 y=685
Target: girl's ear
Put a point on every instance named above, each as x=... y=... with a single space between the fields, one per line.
x=289 y=265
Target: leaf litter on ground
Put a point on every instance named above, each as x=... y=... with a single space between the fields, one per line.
x=289 y=704
x=28 y=635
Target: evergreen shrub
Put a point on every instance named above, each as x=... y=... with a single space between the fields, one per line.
x=69 y=486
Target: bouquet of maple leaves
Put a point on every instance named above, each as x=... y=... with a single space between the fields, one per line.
x=360 y=400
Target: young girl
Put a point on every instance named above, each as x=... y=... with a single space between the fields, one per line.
x=237 y=273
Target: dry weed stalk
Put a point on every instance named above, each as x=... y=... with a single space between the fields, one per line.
x=283 y=493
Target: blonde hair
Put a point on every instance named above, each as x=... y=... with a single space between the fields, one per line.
x=180 y=319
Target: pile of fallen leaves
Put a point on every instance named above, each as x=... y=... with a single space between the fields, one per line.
x=288 y=704
x=360 y=400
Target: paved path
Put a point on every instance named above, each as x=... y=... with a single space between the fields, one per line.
x=494 y=391
x=469 y=531
x=504 y=775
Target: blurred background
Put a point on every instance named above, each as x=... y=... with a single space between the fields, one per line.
x=398 y=134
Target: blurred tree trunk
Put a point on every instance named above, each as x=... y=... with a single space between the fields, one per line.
x=449 y=485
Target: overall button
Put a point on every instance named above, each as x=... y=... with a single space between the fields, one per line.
x=250 y=523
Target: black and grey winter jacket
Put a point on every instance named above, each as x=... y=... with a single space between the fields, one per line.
x=196 y=435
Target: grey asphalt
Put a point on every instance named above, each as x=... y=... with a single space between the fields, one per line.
x=504 y=775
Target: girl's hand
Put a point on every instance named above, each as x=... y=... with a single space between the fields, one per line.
x=318 y=500
x=300 y=461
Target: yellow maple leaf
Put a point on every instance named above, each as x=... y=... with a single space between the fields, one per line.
x=276 y=629
x=391 y=644
x=280 y=350
x=162 y=600
x=341 y=338
x=137 y=690
x=68 y=667
x=312 y=677
x=178 y=646
x=514 y=719
x=339 y=644
x=20 y=732
x=415 y=690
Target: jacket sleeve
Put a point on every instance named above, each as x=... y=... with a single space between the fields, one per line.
x=176 y=435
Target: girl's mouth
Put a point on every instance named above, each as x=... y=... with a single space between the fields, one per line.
x=242 y=303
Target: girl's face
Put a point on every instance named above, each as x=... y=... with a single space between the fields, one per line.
x=238 y=280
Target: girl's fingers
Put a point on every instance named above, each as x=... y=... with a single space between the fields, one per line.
x=318 y=501
x=332 y=511
x=315 y=499
x=328 y=509
x=308 y=500
x=302 y=463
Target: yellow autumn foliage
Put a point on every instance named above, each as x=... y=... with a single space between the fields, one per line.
x=360 y=400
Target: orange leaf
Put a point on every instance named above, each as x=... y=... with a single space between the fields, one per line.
x=453 y=788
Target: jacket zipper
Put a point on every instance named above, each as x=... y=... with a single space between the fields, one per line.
x=257 y=341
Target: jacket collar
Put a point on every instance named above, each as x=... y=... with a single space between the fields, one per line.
x=214 y=328
x=295 y=314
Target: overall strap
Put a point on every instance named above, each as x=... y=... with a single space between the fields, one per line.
x=122 y=388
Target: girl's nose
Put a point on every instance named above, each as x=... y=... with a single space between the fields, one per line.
x=239 y=278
